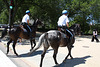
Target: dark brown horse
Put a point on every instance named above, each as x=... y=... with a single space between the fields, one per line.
x=16 y=32
x=55 y=39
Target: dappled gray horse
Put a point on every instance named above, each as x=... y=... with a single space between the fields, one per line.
x=55 y=39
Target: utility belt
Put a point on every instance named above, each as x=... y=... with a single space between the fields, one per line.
x=24 y=23
x=64 y=27
x=65 y=30
x=26 y=26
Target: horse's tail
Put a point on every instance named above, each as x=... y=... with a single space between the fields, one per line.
x=41 y=40
x=4 y=33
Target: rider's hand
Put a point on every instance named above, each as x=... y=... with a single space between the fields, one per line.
x=21 y=26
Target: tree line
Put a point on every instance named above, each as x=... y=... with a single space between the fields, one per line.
x=83 y=12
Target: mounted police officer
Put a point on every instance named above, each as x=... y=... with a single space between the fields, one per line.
x=63 y=24
x=25 y=22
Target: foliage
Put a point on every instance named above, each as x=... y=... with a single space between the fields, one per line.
x=3 y=13
x=80 y=11
x=4 y=17
x=47 y=10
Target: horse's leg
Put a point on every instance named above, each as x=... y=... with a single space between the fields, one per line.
x=43 y=54
x=14 y=44
x=31 y=44
x=8 y=45
x=32 y=41
x=55 y=54
x=69 y=53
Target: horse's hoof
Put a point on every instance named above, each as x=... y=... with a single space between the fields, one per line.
x=71 y=57
x=6 y=53
x=30 y=49
x=64 y=61
x=72 y=46
x=29 y=54
x=56 y=65
x=17 y=55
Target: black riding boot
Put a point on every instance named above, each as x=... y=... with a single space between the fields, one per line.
x=70 y=36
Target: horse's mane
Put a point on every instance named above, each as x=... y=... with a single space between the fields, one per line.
x=76 y=27
x=72 y=26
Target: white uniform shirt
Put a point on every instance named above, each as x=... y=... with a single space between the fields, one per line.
x=62 y=20
x=94 y=32
x=25 y=18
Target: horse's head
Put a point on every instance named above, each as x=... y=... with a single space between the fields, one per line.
x=37 y=22
x=76 y=28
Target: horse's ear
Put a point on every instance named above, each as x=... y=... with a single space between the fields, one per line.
x=37 y=20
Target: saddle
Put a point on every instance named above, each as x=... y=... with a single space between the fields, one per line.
x=26 y=31
x=63 y=30
x=21 y=26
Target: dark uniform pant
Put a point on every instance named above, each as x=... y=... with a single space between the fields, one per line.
x=65 y=30
x=26 y=26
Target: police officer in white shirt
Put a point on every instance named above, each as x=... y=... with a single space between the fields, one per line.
x=25 y=22
x=63 y=23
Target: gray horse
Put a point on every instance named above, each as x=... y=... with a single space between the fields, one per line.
x=55 y=39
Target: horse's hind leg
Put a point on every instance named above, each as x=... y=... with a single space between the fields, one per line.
x=14 y=44
x=55 y=54
x=69 y=54
x=8 y=45
x=43 y=54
